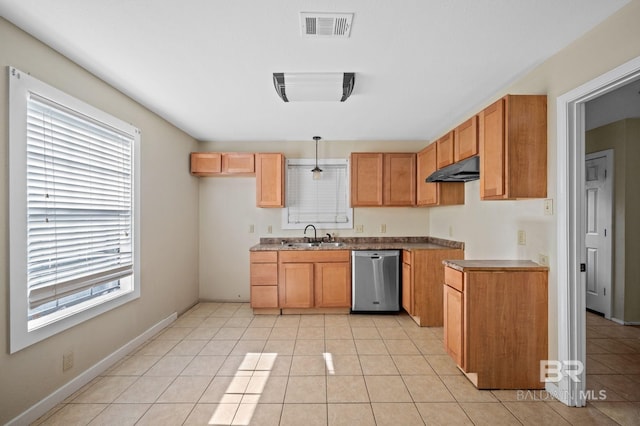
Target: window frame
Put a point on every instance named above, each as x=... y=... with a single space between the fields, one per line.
x=21 y=333
x=310 y=163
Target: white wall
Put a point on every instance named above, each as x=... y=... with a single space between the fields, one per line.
x=228 y=208
x=169 y=248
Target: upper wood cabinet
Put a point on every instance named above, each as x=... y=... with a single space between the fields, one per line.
x=513 y=148
x=206 y=163
x=366 y=179
x=270 y=180
x=445 y=152
x=222 y=163
x=435 y=193
x=466 y=139
x=238 y=163
x=383 y=179
x=399 y=179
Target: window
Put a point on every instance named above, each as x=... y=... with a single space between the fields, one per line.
x=323 y=202
x=73 y=210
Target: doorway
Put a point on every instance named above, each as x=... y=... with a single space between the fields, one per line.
x=599 y=175
x=571 y=224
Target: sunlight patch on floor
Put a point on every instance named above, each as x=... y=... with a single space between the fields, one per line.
x=243 y=393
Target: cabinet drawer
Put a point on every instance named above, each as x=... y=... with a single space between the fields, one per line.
x=264 y=274
x=406 y=257
x=454 y=278
x=264 y=296
x=263 y=256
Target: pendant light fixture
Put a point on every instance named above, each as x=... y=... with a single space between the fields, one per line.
x=316 y=170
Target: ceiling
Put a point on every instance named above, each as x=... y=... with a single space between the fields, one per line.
x=422 y=66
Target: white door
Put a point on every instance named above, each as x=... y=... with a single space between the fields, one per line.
x=599 y=205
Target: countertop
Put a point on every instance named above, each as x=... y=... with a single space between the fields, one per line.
x=364 y=243
x=494 y=265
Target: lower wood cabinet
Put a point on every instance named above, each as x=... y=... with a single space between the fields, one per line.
x=495 y=322
x=264 y=279
x=332 y=285
x=314 y=279
x=422 y=278
x=296 y=285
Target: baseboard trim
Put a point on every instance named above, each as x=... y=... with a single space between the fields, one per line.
x=39 y=409
x=617 y=321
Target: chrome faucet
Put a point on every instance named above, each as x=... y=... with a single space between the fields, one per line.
x=315 y=236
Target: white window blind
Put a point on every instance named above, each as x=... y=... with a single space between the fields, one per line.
x=79 y=206
x=323 y=202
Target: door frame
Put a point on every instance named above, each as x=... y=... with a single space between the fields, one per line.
x=609 y=183
x=571 y=285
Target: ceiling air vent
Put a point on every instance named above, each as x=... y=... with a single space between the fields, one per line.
x=336 y=25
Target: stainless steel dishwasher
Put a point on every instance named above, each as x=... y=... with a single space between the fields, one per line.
x=375 y=281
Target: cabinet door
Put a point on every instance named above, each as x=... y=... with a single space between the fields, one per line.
x=445 y=150
x=407 y=288
x=427 y=193
x=366 y=179
x=295 y=286
x=269 y=180
x=238 y=163
x=492 y=151
x=399 y=179
x=466 y=139
x=206 y=163
x=332 y=285
x=453 y=324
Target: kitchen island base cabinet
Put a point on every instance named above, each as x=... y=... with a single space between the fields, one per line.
x=496 y=323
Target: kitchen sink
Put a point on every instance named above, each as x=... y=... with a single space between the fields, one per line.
x=331 y=244
x=303 y=245
x=318 y=244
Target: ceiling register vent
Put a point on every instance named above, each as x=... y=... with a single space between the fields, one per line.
x=335 y=25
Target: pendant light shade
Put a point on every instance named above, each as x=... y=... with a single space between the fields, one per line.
x=317 y=171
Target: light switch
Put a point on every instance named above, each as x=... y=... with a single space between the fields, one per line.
x=522 y=238
x=548 y=206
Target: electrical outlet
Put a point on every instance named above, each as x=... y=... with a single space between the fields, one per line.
x=67 y=361
x=543 y=259
x=383 y=228
x=359 y=228
x=450 y=231
x=522 y=238
x=548 y=206
x=269 y=229
x=251 y=229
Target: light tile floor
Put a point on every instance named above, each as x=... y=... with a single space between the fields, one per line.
x=220 y=364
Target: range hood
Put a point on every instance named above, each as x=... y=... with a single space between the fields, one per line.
x=462 y=171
